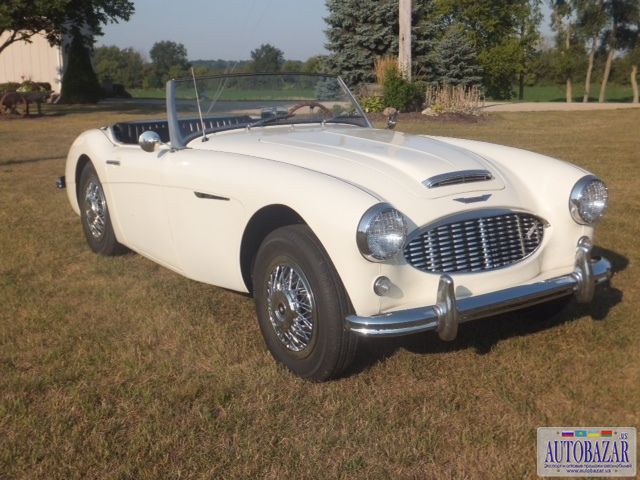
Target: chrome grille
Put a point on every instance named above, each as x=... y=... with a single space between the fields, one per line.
x=475 y=244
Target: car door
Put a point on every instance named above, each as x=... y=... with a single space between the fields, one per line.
x=205 y=215
x=136 y=182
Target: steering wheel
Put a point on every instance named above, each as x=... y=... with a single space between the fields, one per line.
x=310 y=104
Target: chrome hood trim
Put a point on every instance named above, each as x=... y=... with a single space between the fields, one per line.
x=456 y=178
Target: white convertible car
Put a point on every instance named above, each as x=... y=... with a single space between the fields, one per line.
x=279 y=186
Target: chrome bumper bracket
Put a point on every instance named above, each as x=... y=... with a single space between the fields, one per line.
x=448 y=317
x=448 y=312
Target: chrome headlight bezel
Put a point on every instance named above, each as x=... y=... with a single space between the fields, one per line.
x=369 y=221
x=581 y=206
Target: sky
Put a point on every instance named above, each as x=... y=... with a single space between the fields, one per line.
x=228 y=29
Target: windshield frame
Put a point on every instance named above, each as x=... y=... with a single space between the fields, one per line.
x=178 y=141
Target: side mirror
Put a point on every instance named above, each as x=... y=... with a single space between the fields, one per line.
x=149 y=140
x=392 y=117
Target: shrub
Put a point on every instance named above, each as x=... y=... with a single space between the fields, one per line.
x=372 y=104
x=401 y=94
x=29 y=86
x=454 y=99
x=9 y=87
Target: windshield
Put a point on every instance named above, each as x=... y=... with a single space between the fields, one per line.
x=259 y=100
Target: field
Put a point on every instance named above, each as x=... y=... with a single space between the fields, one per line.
x=556 y=93
x=536 y=93
x=115 y=368
x=229 y=94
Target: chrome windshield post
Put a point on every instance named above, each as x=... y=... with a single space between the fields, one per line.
x=175 y=137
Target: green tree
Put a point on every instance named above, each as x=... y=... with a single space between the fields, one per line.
x=266 y=59
x=500 y=66
x=362 y=30
x=293 y=66
x=79 y=82
x=124 y=66
x=22 y=19
x=566 y=61
x=527 y=37
x=591 y=20
x=634 y=60
x=620 y=16
x=169 y=59
x=497 y=28
x=315 y=64
x=455 y=61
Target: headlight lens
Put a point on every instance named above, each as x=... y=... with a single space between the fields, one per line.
x=588 y=200
x=381 y=233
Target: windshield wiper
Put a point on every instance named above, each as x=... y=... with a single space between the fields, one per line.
x=265 y=121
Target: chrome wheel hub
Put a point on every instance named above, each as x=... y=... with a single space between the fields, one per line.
x=95 y=209
x=290 y=306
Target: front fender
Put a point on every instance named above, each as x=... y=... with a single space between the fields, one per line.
x=96 y=146
x=331 y=207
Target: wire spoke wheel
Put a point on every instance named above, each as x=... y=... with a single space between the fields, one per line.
x=301 y=304
x=94 y=212
x=291 y=306
x=95 y=209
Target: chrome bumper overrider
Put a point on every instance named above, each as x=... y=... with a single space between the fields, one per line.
x=448 y=312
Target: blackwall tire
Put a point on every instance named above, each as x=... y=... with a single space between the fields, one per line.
x=301 y=305
x=94 y=214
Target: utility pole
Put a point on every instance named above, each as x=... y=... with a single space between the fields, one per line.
x=404 y=54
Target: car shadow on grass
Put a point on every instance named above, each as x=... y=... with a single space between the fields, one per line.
x=482 y=335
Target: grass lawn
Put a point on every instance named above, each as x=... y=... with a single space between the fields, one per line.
x=117 y=368
x=536 y=93
x=147 y=92
x=556 y=93
x=229 y=94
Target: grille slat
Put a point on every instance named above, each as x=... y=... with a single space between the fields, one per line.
x=477 y=244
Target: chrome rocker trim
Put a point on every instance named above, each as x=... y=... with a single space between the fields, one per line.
x=448 y=312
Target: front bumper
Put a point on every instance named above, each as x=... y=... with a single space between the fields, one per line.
x=448 y=312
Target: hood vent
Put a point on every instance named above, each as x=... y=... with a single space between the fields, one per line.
x=455 y=178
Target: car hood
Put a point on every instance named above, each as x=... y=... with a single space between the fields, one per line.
x=379 y=161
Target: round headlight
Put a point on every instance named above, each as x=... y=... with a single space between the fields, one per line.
x=588 y=200
x=381 y=233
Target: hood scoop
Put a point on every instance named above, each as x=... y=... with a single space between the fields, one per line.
x=456 y=178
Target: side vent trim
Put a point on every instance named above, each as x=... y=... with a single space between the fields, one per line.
x=208 y=196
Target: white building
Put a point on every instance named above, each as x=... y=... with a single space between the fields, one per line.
x=37 y=61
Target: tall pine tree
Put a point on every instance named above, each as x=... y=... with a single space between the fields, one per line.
x=455 y=60
x=362 y=30
x=79 y=82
